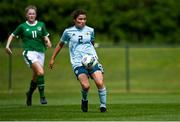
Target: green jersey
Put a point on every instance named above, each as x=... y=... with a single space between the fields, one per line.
x=32 y=35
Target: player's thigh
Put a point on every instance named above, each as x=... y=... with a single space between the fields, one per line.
x=98 y=78
x=84 y=81
x=82 y=75
x=37 y=68
x=31 y=57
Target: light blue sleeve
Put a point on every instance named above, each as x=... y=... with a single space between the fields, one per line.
x=64 y=38
x=92 y=36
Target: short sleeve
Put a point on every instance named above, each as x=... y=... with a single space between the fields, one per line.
x=18 y=31
x=44 y=30
x=92 y=35
x=64 y=38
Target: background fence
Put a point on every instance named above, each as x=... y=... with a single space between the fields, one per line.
x=127 y=69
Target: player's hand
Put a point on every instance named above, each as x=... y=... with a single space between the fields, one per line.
x=8 y=50
x=48 y=44
x=51 y=63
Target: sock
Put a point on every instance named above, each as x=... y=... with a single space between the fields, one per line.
x=40 y=84
x=84 y=95
x=33 y=86
x=102 y=96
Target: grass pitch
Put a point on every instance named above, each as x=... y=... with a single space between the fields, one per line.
x=154 y=88
x=121 y=107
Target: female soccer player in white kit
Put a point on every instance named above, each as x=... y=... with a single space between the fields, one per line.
x=80 y=39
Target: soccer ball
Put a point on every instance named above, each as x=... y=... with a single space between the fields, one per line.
x=89 y=61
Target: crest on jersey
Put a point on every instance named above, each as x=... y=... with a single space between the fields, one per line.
x=39 y=28
x=87 y=33
x=27 y=29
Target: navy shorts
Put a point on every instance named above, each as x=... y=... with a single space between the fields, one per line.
x=88 y=72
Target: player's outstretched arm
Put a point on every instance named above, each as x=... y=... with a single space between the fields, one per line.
x=47 y=42
x=10 y=38
x=56 y=51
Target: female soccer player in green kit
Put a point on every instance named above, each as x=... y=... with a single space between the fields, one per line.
x=35 y=41
x=80 y=39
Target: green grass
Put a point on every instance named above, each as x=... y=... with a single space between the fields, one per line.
x=126 y=107
x=154 y=87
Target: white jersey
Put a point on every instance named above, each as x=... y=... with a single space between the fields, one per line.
x=80 y=43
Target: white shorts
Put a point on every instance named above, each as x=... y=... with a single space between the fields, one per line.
x=33 y=56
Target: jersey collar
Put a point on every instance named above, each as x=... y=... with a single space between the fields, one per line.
x=32 y=24
x=79 y=28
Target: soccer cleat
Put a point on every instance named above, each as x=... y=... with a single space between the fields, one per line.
x=84 y=105
x=29 y=99
x=43 y=100
x=103 y=109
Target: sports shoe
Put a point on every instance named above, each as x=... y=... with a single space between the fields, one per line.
x=29 y=99
x=103 y=109
x=84 y=105
x=43 y=100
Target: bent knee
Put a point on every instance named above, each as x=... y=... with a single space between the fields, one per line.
x=85 y=87
x=40 y=72
x=100 y=84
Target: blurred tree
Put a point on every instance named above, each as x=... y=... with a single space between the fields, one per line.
x=122 y=21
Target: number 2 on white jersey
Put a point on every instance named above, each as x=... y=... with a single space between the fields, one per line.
x=80 y=38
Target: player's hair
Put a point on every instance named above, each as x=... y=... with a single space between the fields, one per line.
x=30 y=7
x=77 y=12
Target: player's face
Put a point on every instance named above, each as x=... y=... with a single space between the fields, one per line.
x=80 y=21
x=31 y=15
